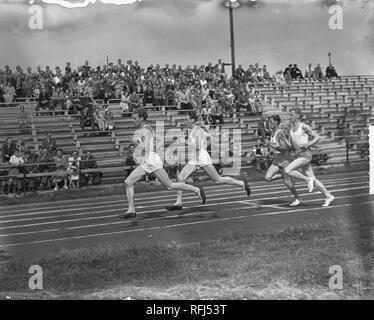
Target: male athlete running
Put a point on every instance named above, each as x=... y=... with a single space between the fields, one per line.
x=150 y=163
x=197 y=140
x=281 y=158
x=299 y=141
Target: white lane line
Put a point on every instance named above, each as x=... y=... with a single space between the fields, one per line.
x=253 y=205
x=150 y=211
x=115 y=208
x=181 y=224
x=166 y=196
x=359 y=174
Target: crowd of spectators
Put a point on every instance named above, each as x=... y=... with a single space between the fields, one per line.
x=205 y=88
x=63 y=170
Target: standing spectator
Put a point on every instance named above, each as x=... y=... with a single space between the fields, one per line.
x=8 y=149
x=309 y=73
x=318 y=74
x=9 y=93
x=16 y=166
x=31 y=159
x=73 y=168
x=50 y=144
x=60 y=163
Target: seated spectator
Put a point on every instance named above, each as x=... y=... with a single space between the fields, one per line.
x=257 y=103
x=61 y=164
x=45 y=165
x=31 y=166
x=259 y=156
x=109 y=119
x=331 y=72
x=100 y=119
x=124 y=104
x=216 y=114
x=3 y=172
x=148 y=96
x=23 y=120
x=134 y=102
x=50 y=144
x=57 y=102
x=8 y=149
x=73 y=168
x=43 y=101
x=21 y=147
x=279 y=78
x=87 y=119
x=241 y=101
x=263 y=130
x=288 y=77
x=130 y=161
x=296 y=73
x=88 y=162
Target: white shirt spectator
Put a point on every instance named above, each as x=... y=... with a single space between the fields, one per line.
x=14 y=160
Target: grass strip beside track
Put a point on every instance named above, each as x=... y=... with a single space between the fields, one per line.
x=289 y=263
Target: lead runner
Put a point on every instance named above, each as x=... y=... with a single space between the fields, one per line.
x=151 y=163
x=299 y=141
x=197 y=140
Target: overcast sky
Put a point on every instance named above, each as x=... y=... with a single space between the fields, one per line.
x=277 y=33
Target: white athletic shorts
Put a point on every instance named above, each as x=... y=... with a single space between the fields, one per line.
x=203 y=160
x=152 y=163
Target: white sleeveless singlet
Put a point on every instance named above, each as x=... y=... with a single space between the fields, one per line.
x=299 y=137
x=199 y=158
x=151 y=160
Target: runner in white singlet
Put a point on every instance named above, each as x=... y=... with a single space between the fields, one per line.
x=281 y=159
x=299 y=141
x=197 y=141
x=145 y=139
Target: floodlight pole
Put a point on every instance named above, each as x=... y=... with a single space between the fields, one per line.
x=232 y=40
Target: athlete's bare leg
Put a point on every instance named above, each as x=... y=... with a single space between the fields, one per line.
x=272 y=172
x=292 y=171
x=319 y=185
x=187 y=170
x=163 y=177
x=290 y=185
x=134 y=176
x=212 y=172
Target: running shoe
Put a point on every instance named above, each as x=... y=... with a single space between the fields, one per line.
x=295 y=203
x=127 y=215
x=328 y=201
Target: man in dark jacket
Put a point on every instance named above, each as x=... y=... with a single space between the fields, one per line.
x=88 y=162
x=8 y=149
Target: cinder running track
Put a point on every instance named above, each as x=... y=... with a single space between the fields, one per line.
x=35 y=230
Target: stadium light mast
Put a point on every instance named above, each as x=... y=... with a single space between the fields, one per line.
x=232 y=4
